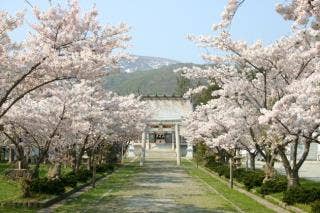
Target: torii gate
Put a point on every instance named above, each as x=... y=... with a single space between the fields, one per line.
x=167 y=115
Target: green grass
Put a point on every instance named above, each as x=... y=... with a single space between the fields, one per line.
x=44 y=168
x=309 y=183
x=245 y=203
x=17 y=210
x=3 y=167
x=90 y=198
x=9 y=190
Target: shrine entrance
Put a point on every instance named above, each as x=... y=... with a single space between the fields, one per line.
x=164 y=127
x=161 y=134
x=159 y=138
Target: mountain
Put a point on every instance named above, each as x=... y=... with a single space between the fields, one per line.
x=159 y=81
x=143 y=63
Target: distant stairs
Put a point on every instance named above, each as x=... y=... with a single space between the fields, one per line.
x=161 y=152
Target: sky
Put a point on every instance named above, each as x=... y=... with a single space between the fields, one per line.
x=160 y=27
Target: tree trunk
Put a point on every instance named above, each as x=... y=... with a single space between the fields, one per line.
x=269 y=171
x=252 y=160
x=21 y=157
x=81 y=153
x=93 y=172
x=79 y=160
x=100 y=158
x=74 y=164
x=292 y=172
x=122 y=153
x=36 y=171
x=269 y=155
x=293 y=179
x=231 y=172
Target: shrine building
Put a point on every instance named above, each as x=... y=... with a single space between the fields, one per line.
x=164 y=125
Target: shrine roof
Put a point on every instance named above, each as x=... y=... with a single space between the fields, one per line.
x=166 y=108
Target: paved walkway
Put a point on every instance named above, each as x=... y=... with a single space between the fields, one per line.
x=159 y=186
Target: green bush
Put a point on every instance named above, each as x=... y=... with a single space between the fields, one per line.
x=105 y=168
x=240 y=174
x=46 y=186
x=278 y=184
x=200 y=152
x=301 y=195
x=211 y=163
x=253 y=179
x=249 y=178
x=315 y=207
x=83 y=175
x=223 y=170
x=69 y=179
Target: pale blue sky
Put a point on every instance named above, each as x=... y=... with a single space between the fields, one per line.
x=160 y=27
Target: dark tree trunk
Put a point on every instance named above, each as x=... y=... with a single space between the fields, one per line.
x=21 y=157
x=78 y=159
x=293 y=179
x=269 y=155
x=252 y=157
x=36 y=171
x=231 y=160
x=269 y=170
x=292 y=171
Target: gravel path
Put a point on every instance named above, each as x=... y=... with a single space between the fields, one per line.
x=161 y=186
x=158 y=186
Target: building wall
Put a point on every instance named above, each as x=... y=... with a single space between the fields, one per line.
x=313 y=153
x=169 y=108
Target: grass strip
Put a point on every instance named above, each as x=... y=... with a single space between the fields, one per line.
x=245 y=203
x=112 y=183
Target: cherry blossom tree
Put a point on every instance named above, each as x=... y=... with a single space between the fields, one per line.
x=39 y=122
x=255 y=77
x=294 y=119
x=63 y=44
x=77 y=117
x=7 y=24
x=99 y=117
x=302 y=12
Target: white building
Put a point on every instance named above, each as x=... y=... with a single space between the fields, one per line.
x=164 y=126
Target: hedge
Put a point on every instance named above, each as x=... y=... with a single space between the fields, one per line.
x=57 y=186
x=250 y=178
x=301 y=195
x=277 y=184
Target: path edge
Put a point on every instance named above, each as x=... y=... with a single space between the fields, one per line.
x=266 y=203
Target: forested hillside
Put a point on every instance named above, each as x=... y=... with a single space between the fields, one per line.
x=162 y=81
